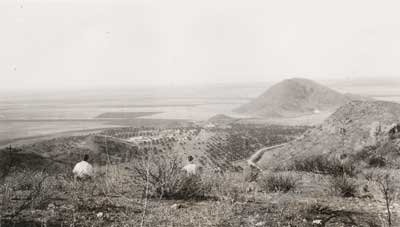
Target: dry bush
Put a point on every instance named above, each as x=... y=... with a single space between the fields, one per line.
x=381 y=155
x=388 y=186
x=8 y=161
x=343 y=186
x=277 y=182
x=230 y=186
x=322 y=164
x=251 y=174
x=377 y=161
x=162 y=177
x=114 y=180
x=32 y=190
x=369 y=174
x=334 y=217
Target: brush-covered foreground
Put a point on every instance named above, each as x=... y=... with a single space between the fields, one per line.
x=117 y=198
x=143 y=185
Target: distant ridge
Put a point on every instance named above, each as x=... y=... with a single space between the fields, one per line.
x=222 y=119
x=293 y=98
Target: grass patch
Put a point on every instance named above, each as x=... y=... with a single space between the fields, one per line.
x=343 y=186
x=277 y=182
x=323 y=164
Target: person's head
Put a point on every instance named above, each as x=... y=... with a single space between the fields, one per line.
x=86 y=158
x=190 y=158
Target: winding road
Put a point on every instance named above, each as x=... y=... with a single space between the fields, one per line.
x=252 y=161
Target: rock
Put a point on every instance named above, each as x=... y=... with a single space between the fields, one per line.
x=100 y=215
x=67 y=207
x=252 y=187
x=317 y=222
x=250 y=200
x=51 y=206
x=176 y=206
x=261 y=223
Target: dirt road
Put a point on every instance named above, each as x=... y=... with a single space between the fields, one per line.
x=252 y=161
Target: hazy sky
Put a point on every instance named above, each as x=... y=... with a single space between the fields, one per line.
x=78 y=43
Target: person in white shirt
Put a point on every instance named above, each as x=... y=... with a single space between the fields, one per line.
x=191 y=168
x=83 y=170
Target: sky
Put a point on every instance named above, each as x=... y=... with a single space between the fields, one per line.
x=57 y=44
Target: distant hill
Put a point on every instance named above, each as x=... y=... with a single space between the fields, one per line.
x=222 y=119
x=293 y=98
x=352 y=128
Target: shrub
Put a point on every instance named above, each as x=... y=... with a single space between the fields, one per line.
x=229 y=186
x=8 y=161
x=162 y=177
x=343 y=186
x=338 y=217
x=188 y=187
x=277 y=182
x=377 y=161
x=37 y=191
x=369 y=175
x=388 y=186
x=380 y=155
x=323 y=164
x=251 y=174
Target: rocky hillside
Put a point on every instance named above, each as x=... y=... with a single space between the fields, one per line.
x=293 y=98
x=352 y=128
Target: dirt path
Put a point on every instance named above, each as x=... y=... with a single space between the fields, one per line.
x=252 y=161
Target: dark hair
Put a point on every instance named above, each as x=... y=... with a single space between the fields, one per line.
x=86 y=157
x=190 y=158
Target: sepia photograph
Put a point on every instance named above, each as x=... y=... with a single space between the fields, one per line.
x=210 y=113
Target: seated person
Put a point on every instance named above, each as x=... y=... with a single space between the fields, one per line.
x=83 y=170
x=191 y=168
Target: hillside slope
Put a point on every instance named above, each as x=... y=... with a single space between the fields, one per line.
x=353 y=127
x=293 y=98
